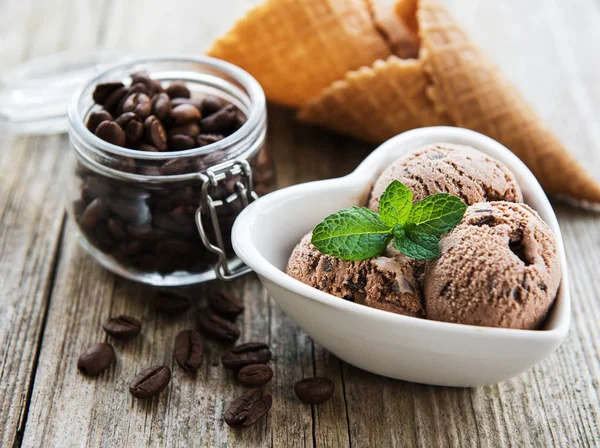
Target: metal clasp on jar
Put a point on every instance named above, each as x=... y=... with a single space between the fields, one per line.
x=244 y=192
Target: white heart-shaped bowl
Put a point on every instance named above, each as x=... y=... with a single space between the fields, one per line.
x=393 y=345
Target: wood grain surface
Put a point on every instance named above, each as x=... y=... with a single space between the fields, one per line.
x=54 y=297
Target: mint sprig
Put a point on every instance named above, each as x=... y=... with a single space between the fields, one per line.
x=358 y=233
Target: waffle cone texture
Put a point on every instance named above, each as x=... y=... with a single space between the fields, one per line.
x=347 y=65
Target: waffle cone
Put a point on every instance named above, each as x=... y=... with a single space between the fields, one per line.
x=376 y=103
x=295 y=48
x=453 y=83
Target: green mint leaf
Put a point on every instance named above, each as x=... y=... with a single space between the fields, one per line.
x=395 y=204
x=355 y=233
x=420 y=246
x=437 y=214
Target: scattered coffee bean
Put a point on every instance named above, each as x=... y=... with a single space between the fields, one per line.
x=180 y=142
x=216 y=327
x=244 y=354
x=111 y=132
x=178 y=89
x=170 y=303
x=315 y=390
x=122 y=327
x=248 y=409
x=161 y=106
x=104 y=89
x=150 y=382
x=189 y=350
x=226 y=304
x=96 y=359
x=96 y=118
x=155 y=133
x=255 y=375
x=207 y=139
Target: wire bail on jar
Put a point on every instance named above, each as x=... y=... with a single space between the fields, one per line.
x=208 y=209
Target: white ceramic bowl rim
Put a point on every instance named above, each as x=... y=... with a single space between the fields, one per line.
x=249 y=253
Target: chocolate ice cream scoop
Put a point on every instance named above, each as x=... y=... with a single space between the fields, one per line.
x=498 y=268
x=455 y=169
x=386 y=282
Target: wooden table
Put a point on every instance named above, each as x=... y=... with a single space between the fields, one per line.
x=54 y=297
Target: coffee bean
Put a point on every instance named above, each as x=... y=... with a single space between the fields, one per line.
x=174 y=166
x=170 y=303
x=226 y=304
x=132 y=125
x=214 y=326
x=116 y=228
x=184 y=114
x=161 y=106
x=207 y=139
x=139 y=87
x=244 y=354
x=147 y=147
x=148 y=170
x=96 y=359
x=220 y=122
x=178 y=89
x=96 y=187
x=155 y=133
x=96 y=211
x=193 y=101
x=189 y=350
x=255 y=375
x=112 y=101
x=153 y=86
x=179 y=142
x=315 y=390
x=129 y=210
x=248 y=409
x=146 y=232
x=104 y=89
x=172 y=246
x=191 y=130
x=111 y=132
x=184 y=214
x=131 y=247
x=122 y=327
x=150 y=382
x=97 y=117
x=138 y=103
x=211 y=104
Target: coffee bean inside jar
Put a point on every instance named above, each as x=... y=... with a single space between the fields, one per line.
x=145 y=147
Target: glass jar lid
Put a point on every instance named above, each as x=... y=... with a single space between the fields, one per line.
x=34 y=96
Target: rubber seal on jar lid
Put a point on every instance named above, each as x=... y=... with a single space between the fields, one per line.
x=34 y=96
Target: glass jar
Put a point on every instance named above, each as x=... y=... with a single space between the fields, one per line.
x=165 y=218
